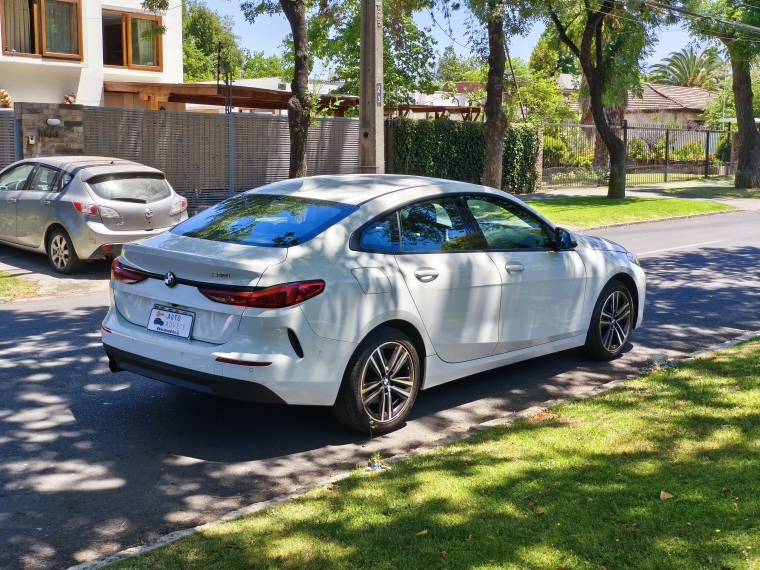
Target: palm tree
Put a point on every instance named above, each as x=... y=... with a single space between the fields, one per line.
x=687 y=69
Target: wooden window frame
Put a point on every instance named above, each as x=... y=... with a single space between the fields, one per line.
x=39 y=37
x=126 y=38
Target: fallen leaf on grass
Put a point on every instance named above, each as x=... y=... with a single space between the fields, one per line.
x=532 y=504
x=709 y=559
x=665 y=496
x=469 y=538
x=561 y=567
x=422 y=533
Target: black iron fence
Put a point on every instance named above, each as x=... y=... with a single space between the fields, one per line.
x=575 y=155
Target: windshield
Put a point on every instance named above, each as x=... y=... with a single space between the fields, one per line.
x=139 y=187
x=265 y=220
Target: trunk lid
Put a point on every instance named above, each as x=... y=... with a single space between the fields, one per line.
x=202 y=261
x=194 y=262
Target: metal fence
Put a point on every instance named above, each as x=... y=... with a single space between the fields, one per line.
x=7 y=138
x=207 y=157
x=575 y=155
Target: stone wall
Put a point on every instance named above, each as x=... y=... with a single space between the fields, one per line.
x=38 y=138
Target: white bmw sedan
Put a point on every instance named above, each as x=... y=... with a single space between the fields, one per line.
x=358 y=291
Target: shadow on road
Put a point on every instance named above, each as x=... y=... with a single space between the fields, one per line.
x=93 y=462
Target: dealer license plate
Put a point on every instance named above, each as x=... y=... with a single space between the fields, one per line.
x=171 y=321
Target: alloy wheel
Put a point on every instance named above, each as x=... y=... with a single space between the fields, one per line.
x=59 y=251
x=615 y=321
x=388 y=380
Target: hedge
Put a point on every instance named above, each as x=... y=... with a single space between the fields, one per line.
x=455 y=150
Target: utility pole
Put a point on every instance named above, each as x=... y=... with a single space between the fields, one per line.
x=371 y=134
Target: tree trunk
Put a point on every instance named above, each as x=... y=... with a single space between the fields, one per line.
x=591 y=48
x=748 y=168
x=496 y=121
x=299 y=104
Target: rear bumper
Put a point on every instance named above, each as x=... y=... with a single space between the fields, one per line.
x=91 y=237
x=192 y=379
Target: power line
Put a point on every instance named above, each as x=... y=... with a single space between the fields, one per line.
x=686 y=12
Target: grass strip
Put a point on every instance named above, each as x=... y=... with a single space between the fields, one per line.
x=15 y=287
x=716 y=192
x=593 y=211
x=577 y=487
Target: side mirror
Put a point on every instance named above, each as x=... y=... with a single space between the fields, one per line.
x=565 y=239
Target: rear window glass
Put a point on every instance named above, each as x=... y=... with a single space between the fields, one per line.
x=141 y=188
x=265 y=220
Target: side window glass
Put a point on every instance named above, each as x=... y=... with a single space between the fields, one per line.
x=382 y=235
x=15 y=179
x=63 y=181
x=505 y=225
x=434 y=225
x=43 y=179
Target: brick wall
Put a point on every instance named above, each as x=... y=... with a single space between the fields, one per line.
x=40 y=139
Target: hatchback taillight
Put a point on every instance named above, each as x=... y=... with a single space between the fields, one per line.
x=179 y=207
x=124 y=275
x=276 y=297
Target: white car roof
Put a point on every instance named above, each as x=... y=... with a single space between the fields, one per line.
x=356 y=189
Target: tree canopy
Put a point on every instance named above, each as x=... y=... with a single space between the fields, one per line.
x=688 y=68
x=203 y=31
x=408 y=50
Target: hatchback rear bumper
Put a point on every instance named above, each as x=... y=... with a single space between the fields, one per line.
x=192 y=379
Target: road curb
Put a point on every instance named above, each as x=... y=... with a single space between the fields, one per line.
x=490 y=424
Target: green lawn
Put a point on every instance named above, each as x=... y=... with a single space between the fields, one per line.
x=716 y=192
x=593 y=211
x=13 y=287
x=578 y=487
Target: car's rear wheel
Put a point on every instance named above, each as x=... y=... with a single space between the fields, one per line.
x=611 y=322
x=381 y=383
x=63 y=258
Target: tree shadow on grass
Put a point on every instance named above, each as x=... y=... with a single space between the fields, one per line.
x=578 y=487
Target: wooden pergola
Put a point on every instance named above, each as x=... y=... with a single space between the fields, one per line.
x=211 y=94
x=264 y=99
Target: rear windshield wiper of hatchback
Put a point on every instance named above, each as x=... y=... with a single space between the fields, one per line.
x=136 y=200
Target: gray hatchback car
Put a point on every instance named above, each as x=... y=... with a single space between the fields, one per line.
x=79 y=208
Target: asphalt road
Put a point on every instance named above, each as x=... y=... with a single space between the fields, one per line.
x=93 y=462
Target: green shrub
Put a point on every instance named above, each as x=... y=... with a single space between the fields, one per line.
x=637 y=148
x=554 y=151
x=455 y=150
x=690 y=151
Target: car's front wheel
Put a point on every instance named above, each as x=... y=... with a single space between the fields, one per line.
x=611 y=322
x=381 y=383
x=63 y=258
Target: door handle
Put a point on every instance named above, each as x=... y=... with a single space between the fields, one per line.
x=11 y=200
x=45 y=202
x=515 y=267
x=426 y=274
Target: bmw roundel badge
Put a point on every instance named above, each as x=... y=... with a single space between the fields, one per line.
x=170 y=280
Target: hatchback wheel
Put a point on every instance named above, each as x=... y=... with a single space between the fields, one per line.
x=611 y=323
x=61 y=253
x=380 y=384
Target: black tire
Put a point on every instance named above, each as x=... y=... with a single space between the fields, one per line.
x=611 y=322
x=365 y=414
x=61 y=254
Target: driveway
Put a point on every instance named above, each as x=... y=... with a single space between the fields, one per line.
x=93 y=462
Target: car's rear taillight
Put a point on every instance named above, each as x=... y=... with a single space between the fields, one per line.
x=87 y=209
x=124 y=275
x=276 y=297
x=179 y=207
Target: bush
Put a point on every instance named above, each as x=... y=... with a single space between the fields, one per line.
x=554 y=151
x=637 y=148
x=693 y=150
x=723 y=150
x=455 y=150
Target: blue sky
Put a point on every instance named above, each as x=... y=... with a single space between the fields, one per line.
x=267 y=33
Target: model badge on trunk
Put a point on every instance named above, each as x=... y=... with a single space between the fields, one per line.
x=170 y=280
x=220 y=275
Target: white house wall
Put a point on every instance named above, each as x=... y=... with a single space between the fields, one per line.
x=44 y=80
